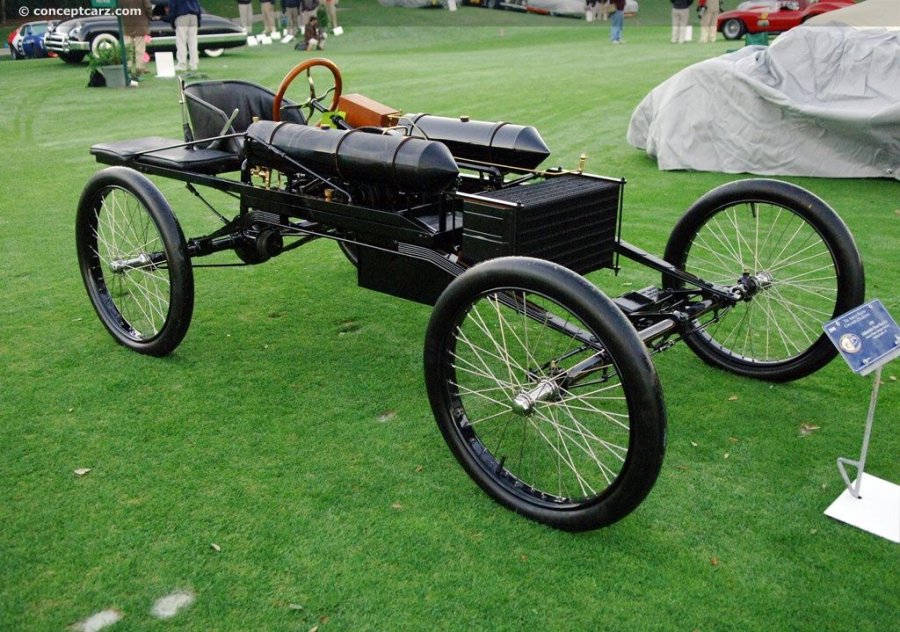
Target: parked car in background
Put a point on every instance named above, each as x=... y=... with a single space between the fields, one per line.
x=73 y=39
x=773 y=17
x=27 y=41
x=568 y=8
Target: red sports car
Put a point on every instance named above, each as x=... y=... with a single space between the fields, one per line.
x=773 y=17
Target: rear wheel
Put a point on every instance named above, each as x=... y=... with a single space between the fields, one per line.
x=134 y=261
x=796 y=257
x=350 y=249
x=733 y=29
x=544 y=393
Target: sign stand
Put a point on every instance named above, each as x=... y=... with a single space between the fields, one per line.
x=114 y=4
x=860 y=465
x=868 y=338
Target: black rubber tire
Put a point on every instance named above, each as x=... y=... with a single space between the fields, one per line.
x=539 y=471
x=802 y=250
x=350 y=251
x=72 y=58
x=733 y=29
x=146 y=305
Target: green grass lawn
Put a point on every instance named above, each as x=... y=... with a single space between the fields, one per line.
x=291 y=427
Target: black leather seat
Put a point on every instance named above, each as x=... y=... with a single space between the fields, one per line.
x=211 y=103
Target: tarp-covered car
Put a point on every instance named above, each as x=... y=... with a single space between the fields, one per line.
x=821 y=101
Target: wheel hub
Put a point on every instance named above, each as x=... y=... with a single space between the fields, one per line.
x=121 y=266
x=523 y=403
x=751 y=284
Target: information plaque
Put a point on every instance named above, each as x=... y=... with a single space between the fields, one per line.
x=867 y=337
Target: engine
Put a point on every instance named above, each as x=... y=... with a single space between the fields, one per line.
x=360 y=157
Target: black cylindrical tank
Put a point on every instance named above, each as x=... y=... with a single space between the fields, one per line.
x=409 y=164
x=481 y=141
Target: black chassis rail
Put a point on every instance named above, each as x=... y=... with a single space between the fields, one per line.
x=383 y=225
x=401 y=235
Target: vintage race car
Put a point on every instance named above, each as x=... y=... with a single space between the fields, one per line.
x=73 y=39
x=773 y=17
x=27 y=41
x=541 y=385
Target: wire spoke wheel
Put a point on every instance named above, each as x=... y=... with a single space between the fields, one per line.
x=553 y=411
x=134 y=261
x=125 y=233
x=796 y=259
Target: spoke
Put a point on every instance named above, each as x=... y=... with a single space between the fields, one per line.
x=572 y=442
x=126 y=231
x=783 y=319
x=482 y=394
x=562 y=459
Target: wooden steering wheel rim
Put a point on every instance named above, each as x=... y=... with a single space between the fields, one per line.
x=296 y=70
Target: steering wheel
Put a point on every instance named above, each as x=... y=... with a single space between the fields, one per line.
x=313 y=102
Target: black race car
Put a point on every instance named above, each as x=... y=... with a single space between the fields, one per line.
x=542 y=386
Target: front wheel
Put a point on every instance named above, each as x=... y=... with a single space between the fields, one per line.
x=798 y=261
x=134 y=261
x=544 y=393
x=733 y=29
x=103 y=41
x=72 y=58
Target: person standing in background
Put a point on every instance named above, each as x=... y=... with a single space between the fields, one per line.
x=331 y=10
x=617 y=21
x=605 y=6
x=136 y=27
x=185 y=16
x=245 y=10
x=291 y=10
x=708 y=10
x=681 y=18
x=308 y=11
x=268 y=13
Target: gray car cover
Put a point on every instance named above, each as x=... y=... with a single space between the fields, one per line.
x=820 y=101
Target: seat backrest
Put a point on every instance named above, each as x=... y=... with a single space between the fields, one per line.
x=211 y=103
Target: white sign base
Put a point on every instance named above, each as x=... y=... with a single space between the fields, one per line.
x=165 y=65
x=877 y=510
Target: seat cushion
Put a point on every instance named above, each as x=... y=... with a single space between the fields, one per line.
x=162 y=152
